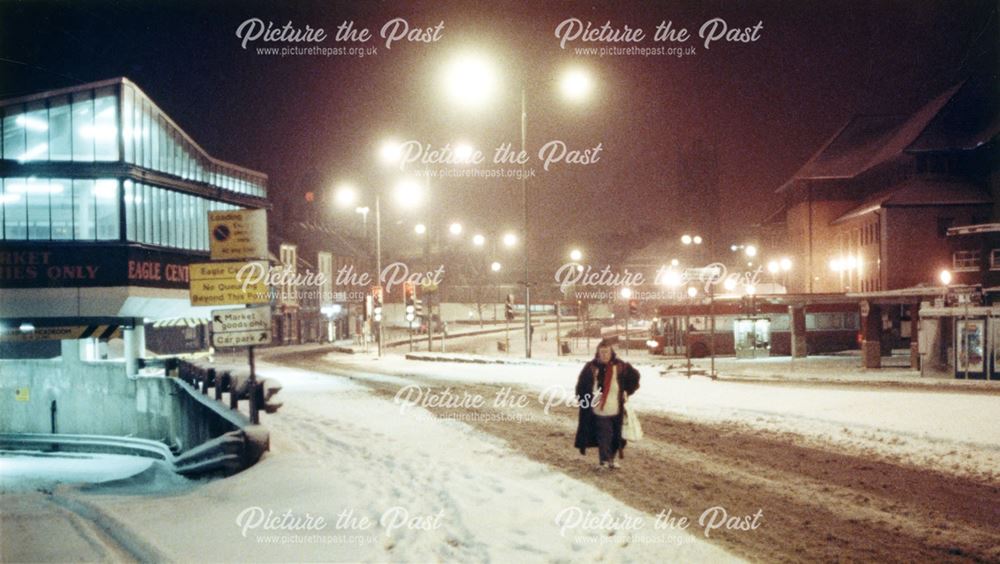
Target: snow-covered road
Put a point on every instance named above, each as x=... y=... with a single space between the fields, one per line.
x=350 y=479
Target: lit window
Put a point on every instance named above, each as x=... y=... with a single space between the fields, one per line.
x=966 y=261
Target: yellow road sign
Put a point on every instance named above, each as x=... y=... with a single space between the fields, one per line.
x=237 y=234
x=22 y=394
x=229 y=283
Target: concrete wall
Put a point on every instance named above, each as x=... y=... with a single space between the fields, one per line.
x=97 y=398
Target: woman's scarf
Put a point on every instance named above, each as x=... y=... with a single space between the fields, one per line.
x=610 y=371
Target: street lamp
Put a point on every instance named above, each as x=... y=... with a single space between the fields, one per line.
x=455 y=229
x=945 y=277
x=495 y=267
x=575 y=255
x=470 y=81
x=345 y=196
x=750 y=250
x=408 y=193
x=509 y=240
x=686 y=239
x=420 y=228
x=697 y=239
x=478 y=240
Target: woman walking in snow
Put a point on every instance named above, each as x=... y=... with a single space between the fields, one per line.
x=602 y=388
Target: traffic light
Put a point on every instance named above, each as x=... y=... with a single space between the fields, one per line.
x=410 y=298
x=633 y=308
x=377 y=304
x=419 y=307
x=509 y=309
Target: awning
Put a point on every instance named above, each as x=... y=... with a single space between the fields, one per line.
x=180 y=322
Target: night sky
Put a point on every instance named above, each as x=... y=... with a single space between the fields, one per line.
x=310 y=122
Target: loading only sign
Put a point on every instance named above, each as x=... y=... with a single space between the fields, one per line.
x=238 y=234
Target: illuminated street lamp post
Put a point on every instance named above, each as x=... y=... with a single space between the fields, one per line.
x=469 y=80
x=626 y=294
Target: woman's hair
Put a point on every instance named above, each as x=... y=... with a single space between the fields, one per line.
x=604 y=343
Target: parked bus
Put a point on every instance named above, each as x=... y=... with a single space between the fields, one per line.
x=751 y=330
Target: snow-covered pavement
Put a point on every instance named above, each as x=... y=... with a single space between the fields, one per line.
x=349 y=479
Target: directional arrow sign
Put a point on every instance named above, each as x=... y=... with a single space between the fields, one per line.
x=241 y=338
x=236 y=320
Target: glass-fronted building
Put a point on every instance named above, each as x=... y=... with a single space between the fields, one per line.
x=104 y=202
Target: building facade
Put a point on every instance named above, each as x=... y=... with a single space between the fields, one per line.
x=105 y=201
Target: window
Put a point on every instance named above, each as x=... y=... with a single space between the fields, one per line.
x=60 y=128
x=61 y=209
x=106 y=211
x=131 y=227
x=128 y=102
x=36 y=194
x=15 y=210
x=995 y=259
x=83 y=127
x=36 y=129
x=13 y=135
x=105 y=130
x=84 y=214
x=966 y=261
